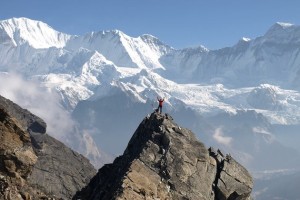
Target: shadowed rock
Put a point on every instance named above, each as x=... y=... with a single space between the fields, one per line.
x=42 y=166
x=26 y=119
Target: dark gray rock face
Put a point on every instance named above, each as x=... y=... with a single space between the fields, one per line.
x=25 y=118
x=166 y=161
x=232 y=180
x=57 y=171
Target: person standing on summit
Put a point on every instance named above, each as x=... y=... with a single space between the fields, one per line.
x=160 y=103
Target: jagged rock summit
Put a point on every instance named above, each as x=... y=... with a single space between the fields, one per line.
x=165 y=161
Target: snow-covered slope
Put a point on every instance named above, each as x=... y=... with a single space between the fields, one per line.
x=273 y=58
x=106 y=78
x=20 y=31
x=30 y=47
x=124 y=51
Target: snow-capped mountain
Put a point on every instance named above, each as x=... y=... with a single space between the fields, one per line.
x=124 y=51
x=107 y=81
x=21 y=31
x=272 y=58
x=26 y=45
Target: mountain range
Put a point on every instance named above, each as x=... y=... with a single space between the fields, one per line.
x=96 y=87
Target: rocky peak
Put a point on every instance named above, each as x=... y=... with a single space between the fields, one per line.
x=283 y=33
x=166 y=161
x=33 y=165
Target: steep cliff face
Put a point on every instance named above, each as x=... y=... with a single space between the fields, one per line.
x=43 y=166
x=166 y=161
x=58 y=170
x=17 y=158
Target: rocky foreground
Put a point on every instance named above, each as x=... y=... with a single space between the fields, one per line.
x=162 y=161
x=33 y=165
x=165 y=161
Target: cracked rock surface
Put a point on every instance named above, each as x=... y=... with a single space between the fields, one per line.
x=17 y=159
x=33 y=164
x=165 y=161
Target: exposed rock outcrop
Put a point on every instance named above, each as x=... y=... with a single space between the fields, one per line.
x=17 y=158
x=165 y=161
x=26 y=119
x=46 y=167
x=58 y=170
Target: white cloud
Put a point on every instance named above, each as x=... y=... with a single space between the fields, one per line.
x=39 y=100
x=46 y=104
x=221 y=139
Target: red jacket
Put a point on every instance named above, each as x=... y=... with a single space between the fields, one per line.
x=160 y=101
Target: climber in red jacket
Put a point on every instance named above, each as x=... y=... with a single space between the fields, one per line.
x=160 y=103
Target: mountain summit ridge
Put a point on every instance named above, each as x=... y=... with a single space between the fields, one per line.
x=39 y=35
x=231 y=65
x=165 y=161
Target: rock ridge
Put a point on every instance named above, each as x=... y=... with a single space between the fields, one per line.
x=26 y=119
x=165 y=161
x=33 y=164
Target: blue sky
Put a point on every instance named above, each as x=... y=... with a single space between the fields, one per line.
x=179 y=23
